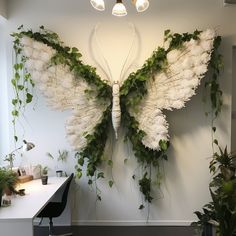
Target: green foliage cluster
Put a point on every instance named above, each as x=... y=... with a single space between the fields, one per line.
x=221 y=212
x=8 y=179
x=92 y=154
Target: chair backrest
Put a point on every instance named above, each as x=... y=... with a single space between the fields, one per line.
x=66 y=191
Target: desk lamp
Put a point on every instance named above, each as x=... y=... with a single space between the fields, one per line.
x=25 y=147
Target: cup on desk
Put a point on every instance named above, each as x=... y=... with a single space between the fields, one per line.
x=59 y=173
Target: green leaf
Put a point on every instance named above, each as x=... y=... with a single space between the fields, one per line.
x=141 y=207
x=214 y=129
x=15 y=138
x=14 y=101
x=110 y=163
x=100 y=175
x=20 y=87
x=163 y=145
x=81 y=161
x=110 y=183
x=29 y=98
x=79 y=174
x=13 y=81
x=15 y=113
x=215 y=141
x=90 y=182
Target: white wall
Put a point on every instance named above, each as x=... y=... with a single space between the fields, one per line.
x=4 y=121
x=185 y=188
x=3 y=8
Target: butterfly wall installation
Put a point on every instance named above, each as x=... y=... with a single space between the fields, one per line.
x=166 y=81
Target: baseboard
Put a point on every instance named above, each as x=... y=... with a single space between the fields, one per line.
x=132 y=223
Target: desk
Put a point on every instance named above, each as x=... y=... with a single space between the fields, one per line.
x=17 y=219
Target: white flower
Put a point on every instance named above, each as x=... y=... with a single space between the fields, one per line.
x=191 y=83
x=187 y=63
x=38 y=65
x=44 y=56
x=207 y=45
x=200 y=70
x=205 y=57
x=35 y=54
x=178 y=104
x=30 y=64
x=173 y=56
x=208 y=34
x=187 y=74
x=27 y=41
x=197 y=50
x=28 y=51
x=44 y=78
x=37 y=45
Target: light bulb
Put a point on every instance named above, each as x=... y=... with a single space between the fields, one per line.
x=98 y=4
x=119 y=9
x=142 y=5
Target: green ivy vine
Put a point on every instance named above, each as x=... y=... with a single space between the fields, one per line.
x=22 y=83
x=213 y=90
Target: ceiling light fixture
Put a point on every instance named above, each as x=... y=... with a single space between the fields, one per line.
x=142 y=5
x=119 y=8
x=98 y=4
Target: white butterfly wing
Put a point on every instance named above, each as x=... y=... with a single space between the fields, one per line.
x=173 y=88
x=63 y=91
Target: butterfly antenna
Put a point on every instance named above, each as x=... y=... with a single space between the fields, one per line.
x=105 y=69
x=123 y=71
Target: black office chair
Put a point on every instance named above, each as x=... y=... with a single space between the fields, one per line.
x=55 y=209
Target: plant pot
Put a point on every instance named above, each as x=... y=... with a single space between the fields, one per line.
x=44 y=179
x=59 y=173
x=7 y=191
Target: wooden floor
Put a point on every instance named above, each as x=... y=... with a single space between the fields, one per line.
x=119 y=231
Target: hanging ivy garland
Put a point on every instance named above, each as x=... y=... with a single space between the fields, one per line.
x=131 y=94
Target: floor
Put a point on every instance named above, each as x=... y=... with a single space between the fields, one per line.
x=120 y=230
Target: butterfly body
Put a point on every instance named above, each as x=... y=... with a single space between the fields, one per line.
x=116 y=110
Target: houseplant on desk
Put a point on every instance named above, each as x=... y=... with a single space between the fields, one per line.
x=44 y=175
x=8 y=181
x=62 y=157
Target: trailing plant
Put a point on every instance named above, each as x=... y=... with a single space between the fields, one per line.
x=22 y=83
x=212 y=88
x=221 y=212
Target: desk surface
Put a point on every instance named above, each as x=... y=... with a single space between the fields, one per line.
x=37 y=195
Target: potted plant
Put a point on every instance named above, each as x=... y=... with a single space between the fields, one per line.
x=44 y=174
x=221 y=212
x=8 y=181
x=62 y=157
